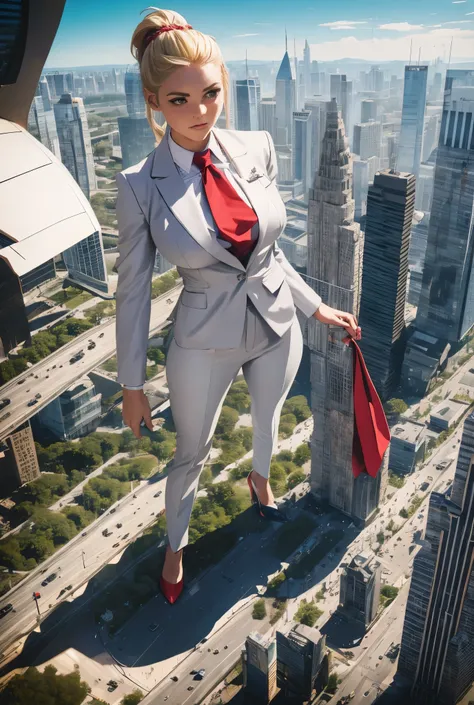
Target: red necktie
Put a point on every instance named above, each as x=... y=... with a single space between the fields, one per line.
x=233 y=217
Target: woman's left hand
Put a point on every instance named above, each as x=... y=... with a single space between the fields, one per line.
x=334 y=317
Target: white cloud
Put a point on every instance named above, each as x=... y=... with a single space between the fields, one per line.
x=469 y=13
x=249 y=34
x=401 y=27
x=458 y=2
x=342 y=24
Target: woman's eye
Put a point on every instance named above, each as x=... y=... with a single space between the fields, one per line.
x=215 y=92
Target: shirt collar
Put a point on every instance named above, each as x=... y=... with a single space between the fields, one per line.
x=184 y=157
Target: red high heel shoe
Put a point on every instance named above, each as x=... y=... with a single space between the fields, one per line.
x=273 y=513
x=171 y=590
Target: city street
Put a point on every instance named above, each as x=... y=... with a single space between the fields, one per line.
x=55 y=373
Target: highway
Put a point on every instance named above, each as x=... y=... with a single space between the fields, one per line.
x=54 y=374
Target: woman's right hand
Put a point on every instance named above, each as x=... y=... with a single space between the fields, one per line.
x=136 y=407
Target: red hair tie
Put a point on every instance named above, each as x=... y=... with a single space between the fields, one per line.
x=167 y=28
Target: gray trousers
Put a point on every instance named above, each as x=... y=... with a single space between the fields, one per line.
x=198 y=382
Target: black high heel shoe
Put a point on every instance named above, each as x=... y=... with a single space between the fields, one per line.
x=272 y=513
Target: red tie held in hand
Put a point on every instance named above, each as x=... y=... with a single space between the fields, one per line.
x=233 y=217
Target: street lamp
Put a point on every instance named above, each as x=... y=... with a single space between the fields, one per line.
x=36 y=596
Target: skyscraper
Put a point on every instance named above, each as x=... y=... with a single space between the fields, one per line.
x=368 y=110
x=302 y=149
x=247 y=101
x=317 y=107
x=85 y=261
x=260 y=667
x=136 y=137
x=300 y=653
x=75 y=142
x=446 y=307
x=360 y=589
x=267 y=116
x=285 y=96
x=367 y=140
x=335 y=250
x=307 y=69
x=341 y=90
x=413 y=119
x=45 y=119
x=436 y=650
x=390 y=206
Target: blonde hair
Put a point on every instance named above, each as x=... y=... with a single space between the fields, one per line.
x=170 y=50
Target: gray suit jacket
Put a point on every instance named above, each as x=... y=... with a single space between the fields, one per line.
x=154 y=211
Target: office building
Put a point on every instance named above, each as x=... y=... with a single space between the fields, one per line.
x=267 y=116
x=318 y=108
x=368 y=110
x=85 y=261
x=285 y=98
x=413 y=119
x=300 y=654
x=307 y=70
x=375 y=80
x=45 y=119
x=75 y=142
x=360 y=589
x=302 y=149
x=390 y=207
x=446 y=308
x=341 y=89
x=335 y=249
x=18 y=460
x=136 y=136
x=360 y=187
x=436 y=653
x=74 y=413
x=367 y=139
x=247 y=101
x=260 y=668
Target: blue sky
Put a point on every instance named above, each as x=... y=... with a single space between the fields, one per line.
x=96 y=32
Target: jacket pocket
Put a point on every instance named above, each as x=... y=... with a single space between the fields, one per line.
x=194 y=299
x=273 y=279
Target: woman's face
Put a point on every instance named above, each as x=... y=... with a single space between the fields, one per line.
x=191 y=96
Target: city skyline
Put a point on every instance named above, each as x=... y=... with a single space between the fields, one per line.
x=363 y=31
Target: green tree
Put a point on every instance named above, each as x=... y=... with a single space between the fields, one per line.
x=132 y=698
x=298 y=406
x=259 y=610
x=295 y=478
x=227 y=420
x=46 y=688
x=308 y=613
x=333 y=682
x=381 y=537
x=302 y=454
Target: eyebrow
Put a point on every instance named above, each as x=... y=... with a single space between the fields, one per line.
x=187 y=94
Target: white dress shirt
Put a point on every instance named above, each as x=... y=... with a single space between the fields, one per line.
x=191 y=174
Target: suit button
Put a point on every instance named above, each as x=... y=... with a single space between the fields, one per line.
x=241 y=276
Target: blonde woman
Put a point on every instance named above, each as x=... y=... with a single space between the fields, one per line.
x=207 y=199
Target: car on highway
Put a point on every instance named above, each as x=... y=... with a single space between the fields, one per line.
x=190 y=687
x=116 y=545
x=174 y=678
x=119 y=525
x=201 y=673
x=113 y=510
x=111 y=686
x=6 y=609
x=5 y=416
x=125 y=536
x=49 y=579
x=4 y=402
x=91 y=345
x=157 y=494
x=21 y=381
x=32 y=402
x=140 y=525
x=101 y=335
x=38 y=396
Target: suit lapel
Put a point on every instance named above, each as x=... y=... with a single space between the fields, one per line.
x=184 y=206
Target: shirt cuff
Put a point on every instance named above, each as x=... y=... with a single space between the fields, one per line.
x=125 y=386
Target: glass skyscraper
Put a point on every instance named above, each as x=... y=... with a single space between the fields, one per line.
x=247 y=100
x=413 y=119
x=446 y=307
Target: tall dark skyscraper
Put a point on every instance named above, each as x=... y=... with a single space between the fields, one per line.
x=413 y=119
x=437 y=654
x=136 y=137
x=390 y=206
